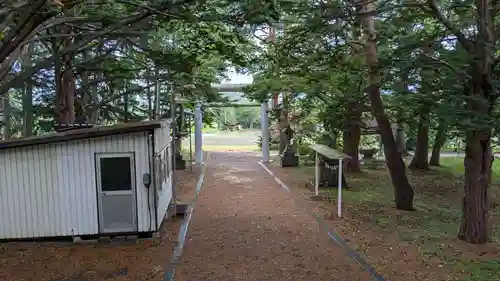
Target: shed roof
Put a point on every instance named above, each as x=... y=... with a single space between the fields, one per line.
x=84 y=133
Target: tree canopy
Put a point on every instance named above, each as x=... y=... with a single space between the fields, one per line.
x=422 y=70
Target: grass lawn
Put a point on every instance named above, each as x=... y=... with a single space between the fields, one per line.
x=422 y=244
x=221 y=148
x=456 y=165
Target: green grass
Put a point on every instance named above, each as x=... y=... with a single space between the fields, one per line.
x=484 y=271
x=456 y=165
x=244 y=148
x=373 y=195
x=432 y=226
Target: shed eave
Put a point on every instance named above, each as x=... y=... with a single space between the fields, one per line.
x=78 y=134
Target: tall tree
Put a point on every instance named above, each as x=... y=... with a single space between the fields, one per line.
x=397 y=169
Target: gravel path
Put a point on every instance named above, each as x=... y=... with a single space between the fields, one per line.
x=245 y=227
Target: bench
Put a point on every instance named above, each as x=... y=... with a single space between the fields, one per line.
x=331 y=154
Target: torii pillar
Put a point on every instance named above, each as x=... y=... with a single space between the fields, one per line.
x=264 y=124
x=198 y=125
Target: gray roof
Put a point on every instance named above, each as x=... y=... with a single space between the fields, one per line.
x=84 y=133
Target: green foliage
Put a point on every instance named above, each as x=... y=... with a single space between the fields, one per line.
x=124 y=53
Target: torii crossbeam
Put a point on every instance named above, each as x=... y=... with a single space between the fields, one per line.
x=230 y=88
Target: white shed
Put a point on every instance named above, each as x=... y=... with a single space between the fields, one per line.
x=90 y=181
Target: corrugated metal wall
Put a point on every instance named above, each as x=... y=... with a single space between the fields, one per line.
x=50 y=190
x=163 y=145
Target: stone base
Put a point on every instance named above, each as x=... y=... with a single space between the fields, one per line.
x=289 y=159
x=316 y=197
x=106 y=239
x=180 y=164
x=181 y=209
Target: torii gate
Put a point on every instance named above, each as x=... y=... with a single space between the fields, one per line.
x=198 y=117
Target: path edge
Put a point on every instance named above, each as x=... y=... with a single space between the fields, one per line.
x=181 y=238
x=331 y=234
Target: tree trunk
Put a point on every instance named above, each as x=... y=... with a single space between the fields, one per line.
x=475 y=225
x=94 y=111
x=7 y=123
x=420 y=160
x=283 y=124
x=401 y=135
x=126 y=109
x=150 y=98
x=28 y=117
x=65 y=83
x=28 y=109
x=439 y=141
x=351 y=147
x=397 y=170
x=352 y=136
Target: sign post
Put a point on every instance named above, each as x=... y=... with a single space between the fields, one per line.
x=334 y=155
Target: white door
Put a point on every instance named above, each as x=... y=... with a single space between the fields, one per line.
x=116 y=192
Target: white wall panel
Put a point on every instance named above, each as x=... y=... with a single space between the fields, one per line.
x=163 y=144
x=50 y=190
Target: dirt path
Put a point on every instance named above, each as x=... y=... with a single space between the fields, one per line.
x=245 y=227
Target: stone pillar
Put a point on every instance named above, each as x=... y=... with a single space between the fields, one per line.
x=264 y=124
x=198 y=125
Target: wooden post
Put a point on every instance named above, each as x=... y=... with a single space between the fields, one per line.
x=339 y=202
x=264 y=123
x=316 y=176
x=198 y=134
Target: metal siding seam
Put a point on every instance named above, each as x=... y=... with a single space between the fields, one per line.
x=144 y=211
x=138 y=143
x=73 y=184
x=49 y=157
x=135 y=142
x=54 y=181
x=153 y=166
x=61 y=188
x=14 y=195
x=87 y=209
x=36 y=183
x=4 y=198
x=70 y=188
x=24 y=196
x=84 y=188
x=11 y=194
x=5 y=228
x=131 y=146
x=134 y=147
x=41 y=175
x=156 y=195
x=91 y=208
x=23 y=215
x=84 y=200
x=79 y=191
x=92 y=188
x=36 y=188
